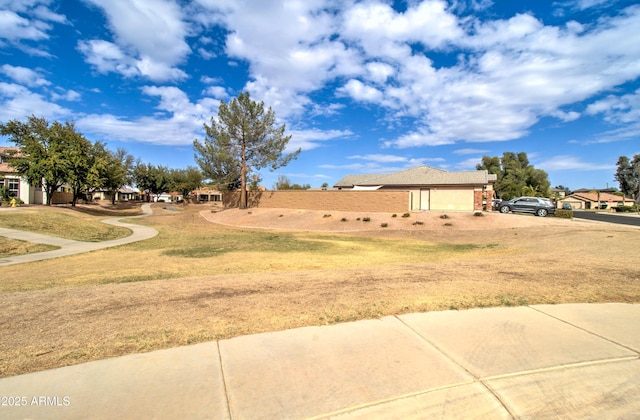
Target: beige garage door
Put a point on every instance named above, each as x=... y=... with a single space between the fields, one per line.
x=452 y=199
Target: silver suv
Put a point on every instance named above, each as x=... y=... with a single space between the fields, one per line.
x=536 y=205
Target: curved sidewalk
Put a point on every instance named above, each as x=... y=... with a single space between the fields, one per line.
x=70 y=247
x=540 y=361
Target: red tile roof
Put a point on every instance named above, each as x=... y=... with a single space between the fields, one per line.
x=4 y=166
x=594 y=197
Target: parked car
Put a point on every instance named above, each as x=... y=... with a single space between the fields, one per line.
x=536 y=205
x=566 y=206
x=495 y=203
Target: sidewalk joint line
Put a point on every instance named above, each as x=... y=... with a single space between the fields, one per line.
x=224 y=380
x=561 y=367
x=586 y=330
x=477 y=378
x=389 y=400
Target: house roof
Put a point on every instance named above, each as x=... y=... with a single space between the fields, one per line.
x=420 y=175
x=4 y=166
x=586 y=196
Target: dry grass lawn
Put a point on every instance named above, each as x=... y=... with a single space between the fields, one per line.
x=199 y=280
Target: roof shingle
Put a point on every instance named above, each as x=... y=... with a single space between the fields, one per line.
x=420 y=175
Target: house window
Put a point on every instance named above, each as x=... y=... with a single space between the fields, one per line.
x=13 y=185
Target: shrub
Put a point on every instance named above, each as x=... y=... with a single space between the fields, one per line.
x=626 y=209
x=444 y=216
x=394 y=215
x=366 y=219
x=344 y=219
x=478 y=214
x=405 y=215
x=326 y=215
x=448 y=224
x=418 y=222
x=564 y=214
x=384 y=225
x=281 y=215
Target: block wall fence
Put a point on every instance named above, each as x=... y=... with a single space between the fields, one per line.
x=372 y=201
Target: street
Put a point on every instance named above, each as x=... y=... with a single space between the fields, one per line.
x=628 y=219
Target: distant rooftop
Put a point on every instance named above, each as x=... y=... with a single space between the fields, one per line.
x=420 y=175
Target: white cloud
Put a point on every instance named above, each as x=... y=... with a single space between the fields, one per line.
x=521 y=72
x=178 y=121
x=468 y=164
x=26 y=24
x=313 y=138
x=380 y=158
x=572 y=163
x=68 y=95
x=379 y=28
x=218 y=92
x=24 y=76
x=469 y=151
x=17 y=102
x=588 y=4
x=623 y=109
x=358 y=91
x=407 y=161
x=149 y=40
x=379 y=72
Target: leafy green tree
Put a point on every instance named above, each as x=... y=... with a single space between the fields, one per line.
x=284 y=183
x=628 y=176
x=79 y=161
x=153 y=179
x=516 y=176
x=186 y=180
x=243 y=138
x=43 y=151
x=113 y=170
x=254 y=182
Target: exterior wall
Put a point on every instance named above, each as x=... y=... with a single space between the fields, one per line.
x=26 y=193
x=59 y=197
x=346 y=200
x=478 y=197
x=455 y=199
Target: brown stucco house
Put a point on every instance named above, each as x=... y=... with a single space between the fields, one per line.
x=430 y=188
x=593 y=200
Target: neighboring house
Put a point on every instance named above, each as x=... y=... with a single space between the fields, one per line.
x=589 y=200
x=125 y=193
x=430 y=188
x=207 y=195
x=17 y=185
x=167 y=197
x=558 y=192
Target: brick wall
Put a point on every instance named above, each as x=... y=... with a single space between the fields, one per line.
x=477 y=199
x=373 y=201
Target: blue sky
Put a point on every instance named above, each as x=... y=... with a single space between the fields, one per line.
x=362 y=86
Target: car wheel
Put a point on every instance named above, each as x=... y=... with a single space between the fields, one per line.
x=542 y=212
x=504 y=209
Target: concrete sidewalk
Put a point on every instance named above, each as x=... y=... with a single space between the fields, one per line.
x=572 y=361
x=69 y=247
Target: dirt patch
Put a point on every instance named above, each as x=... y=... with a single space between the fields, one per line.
x=336 y=221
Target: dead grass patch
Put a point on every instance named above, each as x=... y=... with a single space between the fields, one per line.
x=138 y=298
x=63 y=223
x=10 y=247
